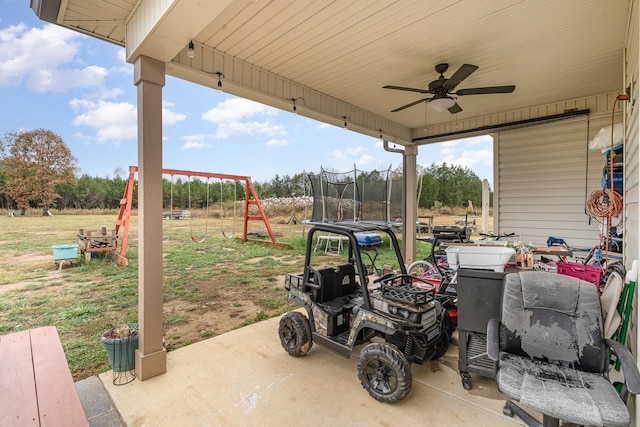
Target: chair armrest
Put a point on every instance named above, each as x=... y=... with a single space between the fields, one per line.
x=493 y=339
x=629 y=366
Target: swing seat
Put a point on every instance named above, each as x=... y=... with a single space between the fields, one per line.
x=230 y=236
x=199 y=239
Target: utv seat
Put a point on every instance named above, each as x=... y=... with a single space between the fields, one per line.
x=328 y=285
x=346 y=279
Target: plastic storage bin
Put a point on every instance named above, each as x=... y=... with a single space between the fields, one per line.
x=479 y=257
x=589 y=273
x=62 y=252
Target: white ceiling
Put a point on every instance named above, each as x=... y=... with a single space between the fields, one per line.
x=551 y=50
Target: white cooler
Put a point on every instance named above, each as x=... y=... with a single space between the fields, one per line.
x=487 y=257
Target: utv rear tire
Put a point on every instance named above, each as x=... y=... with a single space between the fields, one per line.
x=384 y=372
x=442 y=345
x=295 y=334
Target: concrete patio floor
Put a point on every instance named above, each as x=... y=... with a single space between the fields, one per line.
x=245 y=378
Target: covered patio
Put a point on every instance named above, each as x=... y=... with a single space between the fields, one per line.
x=245 y=378
x=330 y=60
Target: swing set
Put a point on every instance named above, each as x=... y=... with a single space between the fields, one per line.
x=250 y=199
x=204 y=236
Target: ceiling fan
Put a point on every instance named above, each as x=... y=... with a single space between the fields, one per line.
x=442 y=88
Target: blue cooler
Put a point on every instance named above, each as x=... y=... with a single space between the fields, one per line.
x=368 y=240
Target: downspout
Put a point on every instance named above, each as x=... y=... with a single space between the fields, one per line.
x=405 y=242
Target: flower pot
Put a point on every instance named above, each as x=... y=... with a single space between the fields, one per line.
x=121 y=351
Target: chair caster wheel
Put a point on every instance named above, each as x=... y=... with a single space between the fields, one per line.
x=507 y=410
x=466 y=381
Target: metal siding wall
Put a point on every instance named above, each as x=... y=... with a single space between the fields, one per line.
x=541 y=177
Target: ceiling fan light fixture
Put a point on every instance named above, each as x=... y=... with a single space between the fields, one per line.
x=442 y=103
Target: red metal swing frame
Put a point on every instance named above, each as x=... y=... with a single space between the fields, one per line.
x=251 y=199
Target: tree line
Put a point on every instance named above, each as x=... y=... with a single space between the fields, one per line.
x=449 y=185
x=37 y=170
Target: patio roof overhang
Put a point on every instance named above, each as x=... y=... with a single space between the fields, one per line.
x=337 y=56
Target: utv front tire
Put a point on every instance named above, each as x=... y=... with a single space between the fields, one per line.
x=384 y=372
x=295 y=334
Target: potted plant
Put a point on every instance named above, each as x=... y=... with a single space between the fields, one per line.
x=121 y=343
x=524 y=254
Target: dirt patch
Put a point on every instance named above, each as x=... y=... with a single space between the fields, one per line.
x=31 y=259
x=225 y=309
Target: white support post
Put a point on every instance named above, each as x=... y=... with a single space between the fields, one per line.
x=151 y=356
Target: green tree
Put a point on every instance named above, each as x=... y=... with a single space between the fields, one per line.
x=35 y=162
x=449 y=185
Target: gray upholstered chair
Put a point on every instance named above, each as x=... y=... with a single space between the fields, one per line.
x=552 y=355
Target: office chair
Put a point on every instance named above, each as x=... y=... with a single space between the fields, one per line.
x=552 y=355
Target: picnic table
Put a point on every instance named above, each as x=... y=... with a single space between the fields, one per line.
x=36 y=386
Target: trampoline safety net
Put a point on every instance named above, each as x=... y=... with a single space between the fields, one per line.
x=356 y=195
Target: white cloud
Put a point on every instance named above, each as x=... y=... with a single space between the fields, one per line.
x=62 y=80
x=469 y=158
x=236 y=109
x=365 y=159
x=233 y=117
x=123 y=66
x=324 y=126
x=171 y=117
x=337 y=154
x=194 y=141
x=43 y=58
x=277 y=142
x=115 y=121
x=109 y=93
x=356 y=150
x=112 y=121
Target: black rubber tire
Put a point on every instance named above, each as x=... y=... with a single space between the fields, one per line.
x=295 y=334
x=442 y=345
x=384 y=372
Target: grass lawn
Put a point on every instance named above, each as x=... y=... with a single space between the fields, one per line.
x=209 y=288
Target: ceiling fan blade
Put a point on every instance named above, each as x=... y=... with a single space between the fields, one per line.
x=486 y=90
x=410 y=105
x=410 y=89
x=463 y=72
x=455 y=109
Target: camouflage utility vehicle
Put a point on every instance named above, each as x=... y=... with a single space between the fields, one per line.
x=396 y=316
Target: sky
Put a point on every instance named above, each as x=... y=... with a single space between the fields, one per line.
x=81 y=88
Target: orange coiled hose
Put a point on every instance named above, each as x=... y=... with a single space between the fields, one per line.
x=604 y=204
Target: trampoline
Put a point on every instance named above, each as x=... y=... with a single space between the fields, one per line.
x=356 y=195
